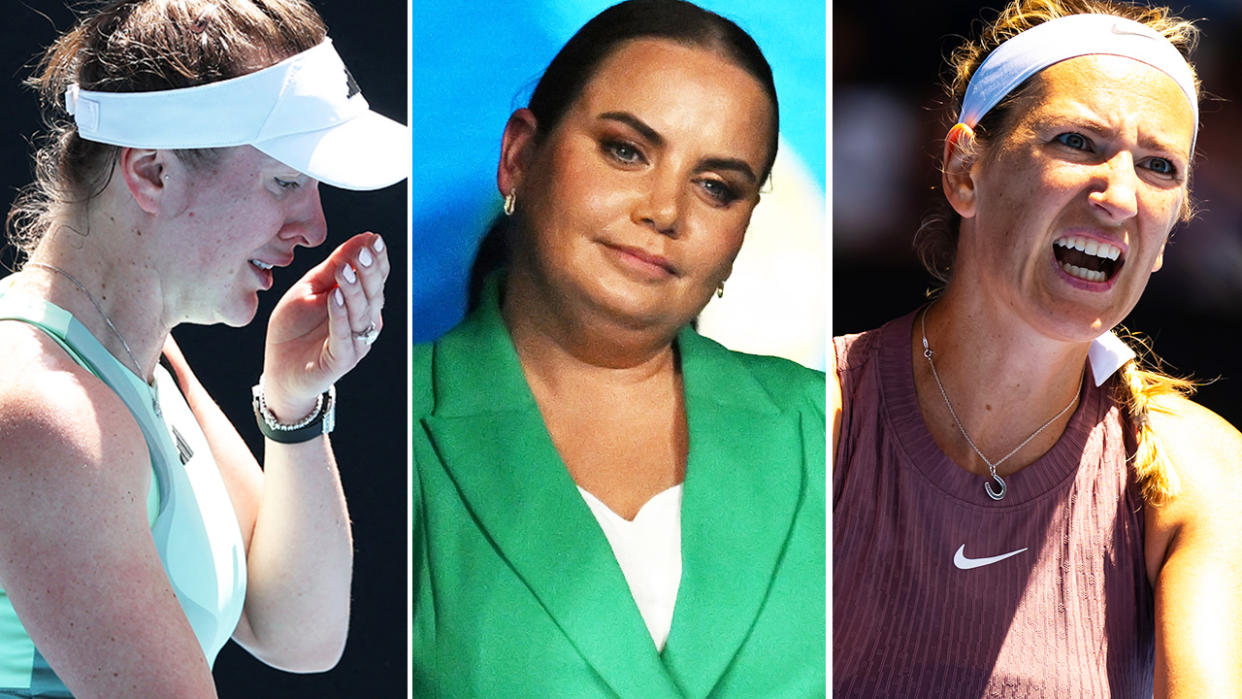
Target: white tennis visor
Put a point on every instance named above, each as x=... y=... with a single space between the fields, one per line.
x=306 y=111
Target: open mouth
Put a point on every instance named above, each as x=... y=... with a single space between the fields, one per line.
x=261 y=265
x=1088 y=259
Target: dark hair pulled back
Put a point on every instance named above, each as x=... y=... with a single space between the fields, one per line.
x=674 y=20
x=579 y=59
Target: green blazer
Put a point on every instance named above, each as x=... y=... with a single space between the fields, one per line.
x=516 y=592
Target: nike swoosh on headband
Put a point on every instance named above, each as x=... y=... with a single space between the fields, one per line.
x=963 y=563
x=1020 y=57
x=1024 y=55
x=1119 y=28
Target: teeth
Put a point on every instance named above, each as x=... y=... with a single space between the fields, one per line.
x=1091 y=246
x=261 y=265
x=1087 y=274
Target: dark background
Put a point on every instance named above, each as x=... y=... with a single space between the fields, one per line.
x=370 y=439
x=889 y=121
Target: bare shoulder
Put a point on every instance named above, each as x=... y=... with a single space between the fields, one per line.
x=72 y=458
x=59 y=424
x=77 y=560
x=1205 y=450
x=1194 y=554
x=1179 y=413
x=71 y=455
x=1206 y=454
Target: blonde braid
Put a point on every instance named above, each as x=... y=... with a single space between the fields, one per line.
x=1135 y=390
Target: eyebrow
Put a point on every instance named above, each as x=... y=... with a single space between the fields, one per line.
x=1087 y=119
x=650 y=134
x=738 y=166
x=1156 y=143
x=635 y=123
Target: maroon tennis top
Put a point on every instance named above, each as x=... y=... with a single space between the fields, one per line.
x=939 y=591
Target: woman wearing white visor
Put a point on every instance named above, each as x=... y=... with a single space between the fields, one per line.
x=139 y=533
x=1020 y=507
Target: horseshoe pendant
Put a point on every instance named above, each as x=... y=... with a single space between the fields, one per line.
x=995 y=494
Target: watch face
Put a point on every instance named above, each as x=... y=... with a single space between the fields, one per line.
x=329 y=410
x=256 y=399
x=321 y=420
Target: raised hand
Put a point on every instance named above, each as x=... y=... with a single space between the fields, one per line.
x=324 y=325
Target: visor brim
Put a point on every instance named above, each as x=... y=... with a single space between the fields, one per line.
x=367 y=152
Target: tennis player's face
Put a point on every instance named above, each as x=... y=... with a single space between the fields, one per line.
x=635 y=204
x=1074 y=202
x=244 y=216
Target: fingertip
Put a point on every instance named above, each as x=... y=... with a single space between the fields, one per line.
x=338 y=297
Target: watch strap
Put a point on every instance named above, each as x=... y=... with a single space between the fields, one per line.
x=321 y=420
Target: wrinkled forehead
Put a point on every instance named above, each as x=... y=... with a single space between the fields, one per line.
x=1107 y=93
x=1018 y=59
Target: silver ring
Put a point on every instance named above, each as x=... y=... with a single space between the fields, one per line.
x=368 y=336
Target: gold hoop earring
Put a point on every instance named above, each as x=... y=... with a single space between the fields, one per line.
x=510 y=202
x=720 y=290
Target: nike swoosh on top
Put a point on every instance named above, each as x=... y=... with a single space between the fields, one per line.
x=1119 y=28
x=961 y=561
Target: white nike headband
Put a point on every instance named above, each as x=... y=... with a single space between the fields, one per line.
x=1024 y=55
x=306 y=111
x=1020 y=57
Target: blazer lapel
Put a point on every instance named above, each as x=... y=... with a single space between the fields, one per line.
x=743 y=483
x=492 y=442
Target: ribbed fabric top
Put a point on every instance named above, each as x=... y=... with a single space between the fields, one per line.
x=1069 y=613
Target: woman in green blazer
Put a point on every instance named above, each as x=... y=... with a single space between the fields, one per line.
x=605 y=502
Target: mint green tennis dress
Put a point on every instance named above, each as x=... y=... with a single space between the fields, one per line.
x=192 y=520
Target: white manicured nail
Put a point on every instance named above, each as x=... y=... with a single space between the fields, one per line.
x=350 y=275
x=340 y=298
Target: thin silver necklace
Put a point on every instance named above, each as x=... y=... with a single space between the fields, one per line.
x=124 y=344
x=987 y=485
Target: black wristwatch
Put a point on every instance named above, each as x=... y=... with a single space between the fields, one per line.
x=319 y=422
